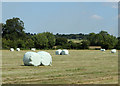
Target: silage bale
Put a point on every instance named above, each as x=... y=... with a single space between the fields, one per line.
x=11 y=49
x=33 y=49
x=113 y=51
x=45 y=57
x=18 y=49
x=58 y=52
x=102 y=49
x=31 y=59
x=64 y=52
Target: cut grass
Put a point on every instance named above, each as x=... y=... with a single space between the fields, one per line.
x=80 y=67
x=75 y=40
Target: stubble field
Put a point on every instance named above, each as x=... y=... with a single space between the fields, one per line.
x=80 y=67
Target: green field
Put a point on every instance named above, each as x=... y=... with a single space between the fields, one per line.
x=75 y=40
x=80 y=67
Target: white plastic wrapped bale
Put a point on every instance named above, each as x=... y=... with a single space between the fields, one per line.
x=65 y=52
x=58 y=52
x=18 y=49
x=33 y=49
x=11 y=49
x=102 y=49
x=113 y=51
x=45 y=57
x=31 y=59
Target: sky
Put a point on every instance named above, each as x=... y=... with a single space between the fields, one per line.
x=64 y=17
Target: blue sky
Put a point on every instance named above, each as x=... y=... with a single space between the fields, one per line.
x=64 y=17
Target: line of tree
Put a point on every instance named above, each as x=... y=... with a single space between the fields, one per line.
x=14 y=35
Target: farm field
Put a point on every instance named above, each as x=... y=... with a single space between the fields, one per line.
x=80 y=67
x=75 y=40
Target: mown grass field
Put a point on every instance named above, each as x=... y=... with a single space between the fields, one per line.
x=75 y=40
x=80 y=67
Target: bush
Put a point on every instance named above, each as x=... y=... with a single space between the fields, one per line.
x=51 y=39
x=21 y=44
x=61 y=41
x=41 y=41
x=85 y=44
x=66 y=46
x=29 y=44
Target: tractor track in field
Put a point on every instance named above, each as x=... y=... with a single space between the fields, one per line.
x=31 y=80
x=87 y=81
x=99 y=80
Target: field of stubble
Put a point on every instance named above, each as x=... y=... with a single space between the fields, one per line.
x=80 y=67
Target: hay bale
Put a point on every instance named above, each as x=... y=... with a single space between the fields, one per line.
x=102 y=49
x=64 y=52
x=33 y=49
x=58 y=52
x=18 y=49
x=45 y=57
x=113 y=51
x=11 y=49
x=31 y=59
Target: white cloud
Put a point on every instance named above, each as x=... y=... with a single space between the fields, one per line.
x=97 y=17
x=114 y=6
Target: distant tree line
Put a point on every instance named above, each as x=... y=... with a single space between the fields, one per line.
x=13 y=35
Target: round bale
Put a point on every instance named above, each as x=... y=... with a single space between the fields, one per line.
x=113 y=51
x=102 y=49
x=58 y=52
x=33 y=49
x=31 y=59
x=18 y=49
x=65 y=52
x=11 y=49
x=45 y=57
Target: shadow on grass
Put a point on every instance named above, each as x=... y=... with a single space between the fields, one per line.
x=35 y=66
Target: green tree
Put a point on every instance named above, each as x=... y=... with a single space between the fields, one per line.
x=73 y=45
x=13 y=29
x=85 y=44
x=103 y=39
x=79 y=46
x=91 y=38
x=118 y=44
x=108 y=41
x=40 y=41
x=66 y=46
x=103 y=32
x=61 y=41
x=29 y=43
x=51 y=39
x=20 y=44
x=5 y=43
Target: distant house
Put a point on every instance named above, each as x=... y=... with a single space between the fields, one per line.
x=95 y=47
